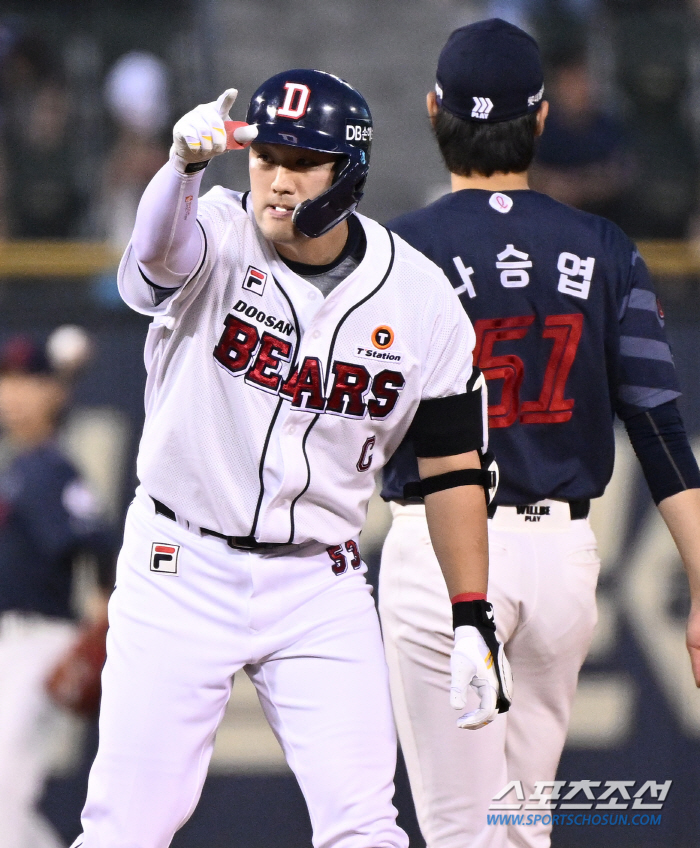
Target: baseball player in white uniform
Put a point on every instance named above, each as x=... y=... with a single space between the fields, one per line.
x=293 y=345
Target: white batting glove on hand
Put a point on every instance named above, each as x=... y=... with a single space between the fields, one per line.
x=201 y=134
x=483 y=667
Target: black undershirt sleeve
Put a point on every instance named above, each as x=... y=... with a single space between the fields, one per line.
x=661 y=444
x=158 y=293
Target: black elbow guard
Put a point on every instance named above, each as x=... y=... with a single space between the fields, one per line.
x=486 y=477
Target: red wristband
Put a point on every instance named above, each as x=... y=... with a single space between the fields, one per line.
x=469 y=596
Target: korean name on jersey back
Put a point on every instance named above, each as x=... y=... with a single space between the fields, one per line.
x=568 y=334
x=260 y=356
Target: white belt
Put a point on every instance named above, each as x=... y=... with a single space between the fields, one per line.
x=546 y=514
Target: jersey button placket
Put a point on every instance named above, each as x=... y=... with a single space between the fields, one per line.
x=298 y=420
x=294 y=466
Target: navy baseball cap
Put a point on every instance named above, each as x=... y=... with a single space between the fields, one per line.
x=490 y=71
x=21 y=355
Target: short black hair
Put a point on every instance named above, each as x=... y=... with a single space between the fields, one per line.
x=470 y=147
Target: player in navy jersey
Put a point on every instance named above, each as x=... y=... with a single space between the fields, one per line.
x=569 y=335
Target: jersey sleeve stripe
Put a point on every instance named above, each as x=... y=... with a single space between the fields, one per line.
x=644 y=397
x=642 y=299
x=643 y=348
x=205 y=247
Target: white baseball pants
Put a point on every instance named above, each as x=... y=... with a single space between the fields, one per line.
x=542 y=580
x=30 y=646
x=309 y=641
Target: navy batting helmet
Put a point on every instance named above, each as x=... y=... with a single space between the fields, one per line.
x=318 y=111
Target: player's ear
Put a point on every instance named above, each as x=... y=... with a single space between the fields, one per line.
x=432 y=104
x=542 y=117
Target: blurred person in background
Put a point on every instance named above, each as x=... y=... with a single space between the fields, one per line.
x=583 y=157
x=532 y=14
x=39 y=195
x=654 y=44
x=137 y=98
x=48 y=516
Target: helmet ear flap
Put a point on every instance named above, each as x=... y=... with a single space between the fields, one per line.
x=316 y=217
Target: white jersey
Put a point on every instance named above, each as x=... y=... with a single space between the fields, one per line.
x=269 y=410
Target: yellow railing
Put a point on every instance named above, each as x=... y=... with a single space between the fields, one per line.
x=671 y=258
x=56 y=258
x=86 y=258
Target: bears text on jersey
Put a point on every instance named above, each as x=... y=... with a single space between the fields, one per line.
x=242 y=350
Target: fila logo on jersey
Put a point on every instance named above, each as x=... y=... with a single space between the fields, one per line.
x=353 y=393
x=296 y=101
x=482 y=107
x=164 y=557
x=255 y=280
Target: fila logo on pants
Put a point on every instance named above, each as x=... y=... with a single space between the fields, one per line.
x=164 y=557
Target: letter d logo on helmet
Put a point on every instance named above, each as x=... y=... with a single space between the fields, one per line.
x=318 y=111
x=296 y=101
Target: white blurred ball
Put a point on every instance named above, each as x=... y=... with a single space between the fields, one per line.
x=69 y=348
x=137 y=92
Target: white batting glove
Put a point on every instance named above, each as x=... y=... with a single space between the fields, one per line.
x=200 y=134
x=473 y=665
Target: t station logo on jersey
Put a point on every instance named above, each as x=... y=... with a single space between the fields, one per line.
x=164 y=557
x=244 y=350
x=382 y=339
